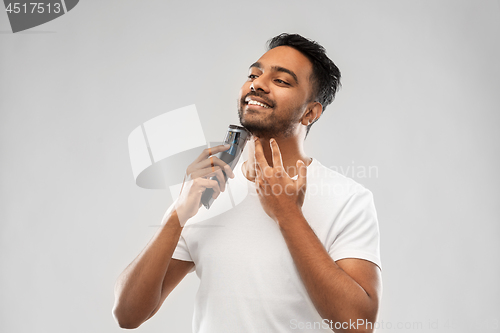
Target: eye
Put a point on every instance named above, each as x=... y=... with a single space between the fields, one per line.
x=279 y=81
x=252 y=76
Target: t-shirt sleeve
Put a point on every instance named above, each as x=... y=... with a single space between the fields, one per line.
x=181 y=251
x=358 y=231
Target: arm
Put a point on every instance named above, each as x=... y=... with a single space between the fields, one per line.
x=143 y=286
x=346 y=291
x=343 y=292
x=146 y=282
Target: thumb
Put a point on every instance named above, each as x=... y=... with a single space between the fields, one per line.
x=302 y=173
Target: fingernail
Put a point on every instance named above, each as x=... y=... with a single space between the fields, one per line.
x=229 y=171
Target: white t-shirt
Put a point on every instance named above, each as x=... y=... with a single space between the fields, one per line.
x=248 y=280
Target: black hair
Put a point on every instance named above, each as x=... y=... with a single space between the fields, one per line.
x=325 y=76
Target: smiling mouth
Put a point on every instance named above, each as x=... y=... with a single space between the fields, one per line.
x=252 y=102
x=257 y=102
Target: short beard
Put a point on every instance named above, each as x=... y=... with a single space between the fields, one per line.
x=272 y=128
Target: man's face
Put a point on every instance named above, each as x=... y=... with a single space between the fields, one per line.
x=276 y=93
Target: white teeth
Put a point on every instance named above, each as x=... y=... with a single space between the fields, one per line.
x=252 y=102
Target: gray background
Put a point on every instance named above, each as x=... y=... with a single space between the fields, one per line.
x=420 y=101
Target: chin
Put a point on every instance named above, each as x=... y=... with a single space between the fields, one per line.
x=254 y=123
x=256 y=129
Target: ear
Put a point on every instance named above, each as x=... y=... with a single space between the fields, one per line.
x=313 y=112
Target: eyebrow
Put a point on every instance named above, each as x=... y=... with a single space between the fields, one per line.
x=277 y=69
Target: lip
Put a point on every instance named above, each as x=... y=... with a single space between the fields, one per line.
x=258 y=99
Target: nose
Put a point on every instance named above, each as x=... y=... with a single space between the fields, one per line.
x=259 y=84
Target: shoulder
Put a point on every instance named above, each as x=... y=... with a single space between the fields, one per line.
x=328 y=182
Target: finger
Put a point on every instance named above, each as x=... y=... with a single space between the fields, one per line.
x=208 y=173
x=202 y=184
x=207 y=163
x=205 y=173
x=211 y=151
x=225 y=167
x=221 y=178
x=217 y=192
x=258 y=171
x=259 y=176
x=258 y=181
x=276 y=153
x=260 y=159
x=302 y=173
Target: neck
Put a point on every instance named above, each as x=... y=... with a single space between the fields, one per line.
x=292 y=149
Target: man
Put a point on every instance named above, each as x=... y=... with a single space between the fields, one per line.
x=300 y=252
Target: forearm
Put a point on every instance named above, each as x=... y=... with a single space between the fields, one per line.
x=138 y=288
x=336 y=296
